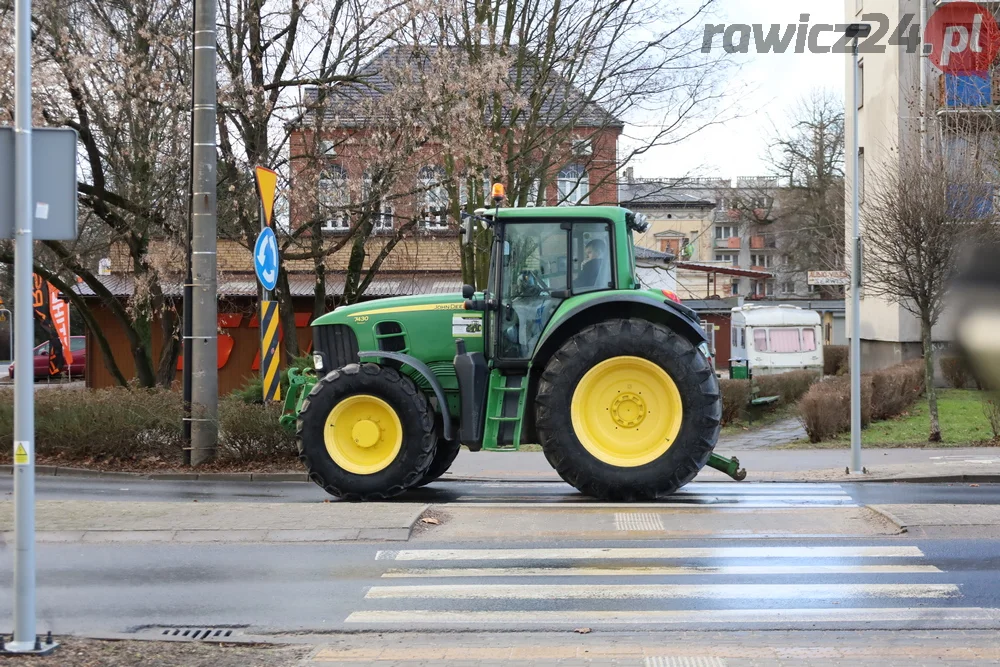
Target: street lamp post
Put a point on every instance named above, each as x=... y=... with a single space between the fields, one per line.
x=855 y=32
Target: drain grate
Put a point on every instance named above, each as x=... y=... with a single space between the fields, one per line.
x=641 y=521
x=198 y=634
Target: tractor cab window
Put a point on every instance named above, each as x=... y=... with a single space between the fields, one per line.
x=591 y=257
x=533 y=265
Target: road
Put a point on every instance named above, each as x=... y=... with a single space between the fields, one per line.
x=614 y=585
x=696 y=493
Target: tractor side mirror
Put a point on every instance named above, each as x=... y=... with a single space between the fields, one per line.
x=468 y=291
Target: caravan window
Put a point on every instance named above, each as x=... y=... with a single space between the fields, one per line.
x=760 y=340
x=734 y=338
x=785 y=340
x=808 y=340
x=743 y=337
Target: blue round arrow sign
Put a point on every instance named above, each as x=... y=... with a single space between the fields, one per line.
x=265 y=259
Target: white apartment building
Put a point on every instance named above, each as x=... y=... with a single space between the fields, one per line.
x=896 y=106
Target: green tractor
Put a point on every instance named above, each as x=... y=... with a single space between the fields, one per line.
x=563 y=348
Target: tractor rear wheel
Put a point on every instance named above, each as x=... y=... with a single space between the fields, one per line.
x=366 y=432
x=443 y=458
x=642 y=406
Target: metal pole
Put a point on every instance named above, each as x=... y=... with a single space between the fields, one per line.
x=204 y=288
x=24 y=335
x=855 y=280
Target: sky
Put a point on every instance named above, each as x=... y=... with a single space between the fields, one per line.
x=775 y=82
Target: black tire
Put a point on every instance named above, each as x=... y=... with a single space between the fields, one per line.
x=443 y=458
x=700 y=398
x=415 y=415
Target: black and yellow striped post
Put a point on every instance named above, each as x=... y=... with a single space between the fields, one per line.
x=269 y=357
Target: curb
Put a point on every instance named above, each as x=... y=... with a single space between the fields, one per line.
x=62 y=471
x=892 y=518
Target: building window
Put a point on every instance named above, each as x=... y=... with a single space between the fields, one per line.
x=434 y=213
x=761 y=260
x=788 y=287
x=730 y=257
x=769 y=288
x=861 y=83
x=334 y=197
x=861 y=175
x=383 y=222
x=735 y=289
x=574 y=185
x=725 y=231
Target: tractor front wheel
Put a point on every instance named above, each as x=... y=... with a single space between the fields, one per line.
x=366 y=433
x=443 y=458
x=628 y=410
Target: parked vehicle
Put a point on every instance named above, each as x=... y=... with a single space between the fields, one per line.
x=775 y=339
x=78 y=345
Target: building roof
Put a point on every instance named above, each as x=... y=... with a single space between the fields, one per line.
x=649 y=253
x=344 y=100
x=725 y=270
x=662 y=193
x=385 y=284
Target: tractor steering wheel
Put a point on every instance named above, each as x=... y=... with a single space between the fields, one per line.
x=530 y=284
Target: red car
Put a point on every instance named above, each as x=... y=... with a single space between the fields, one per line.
x=78 y=345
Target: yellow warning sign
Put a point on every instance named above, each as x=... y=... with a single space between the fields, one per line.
x=270 y=358
x=267 y=186
x=20 y=454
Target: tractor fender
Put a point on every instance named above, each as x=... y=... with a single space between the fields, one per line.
x=428 y=375
x=680 y=318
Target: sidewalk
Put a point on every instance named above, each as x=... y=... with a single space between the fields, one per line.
x=118 y=521
x=798 y=465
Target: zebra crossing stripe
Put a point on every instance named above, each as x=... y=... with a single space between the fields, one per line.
x=269 y=350
x=444 y=572
x=662 y=591
x=646 y=553
x=931 y=616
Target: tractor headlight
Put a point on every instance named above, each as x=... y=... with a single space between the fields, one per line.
x=318 y=361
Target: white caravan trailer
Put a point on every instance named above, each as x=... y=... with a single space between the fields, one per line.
x=776 y=339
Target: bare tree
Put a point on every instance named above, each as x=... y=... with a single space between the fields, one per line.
x=118 y=74
x=808 y=158
x=917 y=215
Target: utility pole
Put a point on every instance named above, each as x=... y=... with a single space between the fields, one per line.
x=203 y=360
x=855 y=31
x=24 y=337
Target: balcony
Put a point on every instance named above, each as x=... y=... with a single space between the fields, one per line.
x=731 y=242
x=969 y=93
x=760 y=242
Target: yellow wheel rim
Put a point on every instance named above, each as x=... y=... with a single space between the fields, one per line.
x=626 y=411
x=363 y=434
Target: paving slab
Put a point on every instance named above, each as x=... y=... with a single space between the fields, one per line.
x=104 y=521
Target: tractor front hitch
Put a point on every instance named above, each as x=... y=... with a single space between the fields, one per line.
x=729 y=466
x=299 y=385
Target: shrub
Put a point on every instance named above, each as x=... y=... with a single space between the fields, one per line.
x=956 y=372
x=790 y=386
x=825 y=410
x=114 y=423
x=253 y=390
x=991 y=408
x=735 y=397
x=836 y=359
x=251 y=433
x=896 y=388
x=138 y=424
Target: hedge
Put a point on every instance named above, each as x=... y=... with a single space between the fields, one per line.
x=123 y=424
x=790 y=386
x=825 y=410
x=836 y=360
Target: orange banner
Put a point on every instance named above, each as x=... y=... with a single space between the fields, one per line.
x=59 y=310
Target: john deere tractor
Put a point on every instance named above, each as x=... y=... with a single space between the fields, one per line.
x=563 y=348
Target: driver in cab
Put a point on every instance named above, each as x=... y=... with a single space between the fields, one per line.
x=594 y=266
